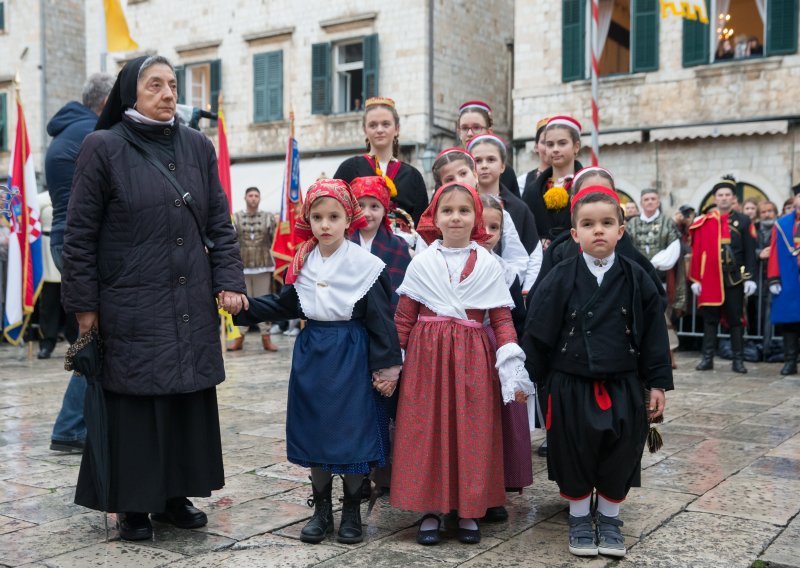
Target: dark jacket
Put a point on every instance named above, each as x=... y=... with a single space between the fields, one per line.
x=598 y=332
x=68 y=127
x=412 y=194
x=522 y=217
x=550 y=224
x=133 y=252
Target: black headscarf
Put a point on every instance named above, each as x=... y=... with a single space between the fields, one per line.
x=122 y=95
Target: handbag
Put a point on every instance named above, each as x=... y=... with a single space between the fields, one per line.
x=184 y=195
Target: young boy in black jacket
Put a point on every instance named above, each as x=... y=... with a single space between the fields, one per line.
x=596 y=339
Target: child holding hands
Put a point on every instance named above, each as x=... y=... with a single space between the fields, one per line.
x=345 y=358
x=448 y=443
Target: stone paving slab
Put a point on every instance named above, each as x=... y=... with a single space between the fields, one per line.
x=255 y=517
x=732 y=453
x=784 y=552
x=702 y=540
x=114 y=554
x=753 y=498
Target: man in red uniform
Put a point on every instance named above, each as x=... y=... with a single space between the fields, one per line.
x=783 y=271
x=722 y=272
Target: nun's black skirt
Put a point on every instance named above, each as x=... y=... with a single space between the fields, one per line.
x=596 y=431
x=160 y=447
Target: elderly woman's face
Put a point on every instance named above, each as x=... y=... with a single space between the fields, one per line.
x=157 y=92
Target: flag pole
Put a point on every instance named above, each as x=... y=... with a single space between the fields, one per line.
x=103 y=39
x=594 y=72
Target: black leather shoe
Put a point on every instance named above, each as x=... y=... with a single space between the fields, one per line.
x=70 y=447
x=469 y=536
x=134 y=526
x=495 y=515
x=321 y=523
x=542 y=451
x=427 y=538
x=181 y=513
x=44 y=352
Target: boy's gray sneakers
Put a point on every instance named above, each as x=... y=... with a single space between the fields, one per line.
x=610 y=541
x=582 y=536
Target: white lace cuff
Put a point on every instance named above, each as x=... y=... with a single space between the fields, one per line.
x=513 y=375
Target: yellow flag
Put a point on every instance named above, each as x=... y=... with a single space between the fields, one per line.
x=693 y=10
x=118 y=38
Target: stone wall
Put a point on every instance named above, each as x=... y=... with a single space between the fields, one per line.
x=54 y=75
x=755 y=90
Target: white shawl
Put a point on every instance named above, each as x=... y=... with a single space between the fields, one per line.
x=427 y=281
x=329 y=288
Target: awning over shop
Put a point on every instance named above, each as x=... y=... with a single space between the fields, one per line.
x=614 y=138
x=720 y=130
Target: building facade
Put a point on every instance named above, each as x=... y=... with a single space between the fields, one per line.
x=681 y=103
x=320 y=60
x=41 y=42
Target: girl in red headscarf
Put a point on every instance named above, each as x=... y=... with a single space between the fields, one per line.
x=448 y=452
x=377 y=237
x=345 y=358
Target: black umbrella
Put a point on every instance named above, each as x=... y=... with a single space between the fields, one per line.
x=85 y=357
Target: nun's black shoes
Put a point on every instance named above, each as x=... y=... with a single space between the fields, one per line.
x=180 y=513
x=134 y=526
x=429 y=537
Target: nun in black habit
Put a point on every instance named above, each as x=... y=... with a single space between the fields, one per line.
x=143 y=264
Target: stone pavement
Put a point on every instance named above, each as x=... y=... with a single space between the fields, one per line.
x=724 y=491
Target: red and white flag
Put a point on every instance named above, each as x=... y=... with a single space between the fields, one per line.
x=25 y=242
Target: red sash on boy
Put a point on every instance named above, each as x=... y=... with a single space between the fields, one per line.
x=706 y=267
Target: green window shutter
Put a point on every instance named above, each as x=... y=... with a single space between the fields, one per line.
x=696 y=40
x=573 y=40
x=781 y=26
x=216 y=86
x=2 y=16
x=260 y=87
x=644 y=20
x=3 y=123
x=371 y=66
x=321 y=99
x=275 y=85
x=180 y=78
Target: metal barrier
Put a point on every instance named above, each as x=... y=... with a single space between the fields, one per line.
x=763 y=303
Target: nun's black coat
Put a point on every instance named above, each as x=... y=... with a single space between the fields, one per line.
x=133 y=254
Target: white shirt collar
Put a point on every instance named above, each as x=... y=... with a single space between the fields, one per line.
x=599 y=266
x=646 y=219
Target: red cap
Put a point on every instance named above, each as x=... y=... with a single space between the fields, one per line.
x=475 y=104
x=592 y=189
x=564 y=120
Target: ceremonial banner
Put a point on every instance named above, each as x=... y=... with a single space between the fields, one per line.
x=24 y=280
x=283 y=246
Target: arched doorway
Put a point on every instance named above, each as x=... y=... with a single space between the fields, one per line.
x=748 y=184
x=744 y=190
